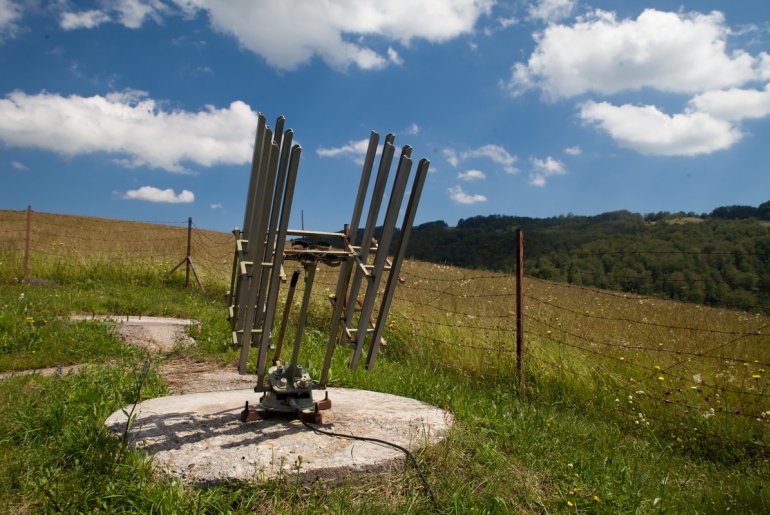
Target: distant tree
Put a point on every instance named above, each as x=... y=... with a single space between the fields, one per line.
x=764 y=210
x=735 y=212
x=722 y=261
x=657 y=217
x=437 y=225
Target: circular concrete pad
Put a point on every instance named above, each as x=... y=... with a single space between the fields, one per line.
x=200 y=439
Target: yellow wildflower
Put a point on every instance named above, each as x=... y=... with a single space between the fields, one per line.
x=657 y=367
x=756 y=376
x=596 y=498
x=569 y=503
x=661 y=378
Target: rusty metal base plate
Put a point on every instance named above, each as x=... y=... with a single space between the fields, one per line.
x=312 y=415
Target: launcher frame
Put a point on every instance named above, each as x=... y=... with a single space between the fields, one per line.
x=261 y=252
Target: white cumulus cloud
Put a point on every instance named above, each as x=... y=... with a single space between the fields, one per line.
x=648 y=130
x=216 y=206
x=573 y=151
x=551 y=10
x=153 y=194
x=472 y=175
x=393 y=57
x=507 y=22
x=451 y=156
x=10 y=14
x=544 y=168
x=668 y=51
x=83 y=19
x=497 y=154
x=336 y=31
x=131 y=14
x=17 y=165
x=734 y=104
x=457 y=194
x=131 y=124
x=354 y=149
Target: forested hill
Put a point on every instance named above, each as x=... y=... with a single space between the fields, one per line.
x=722 y=258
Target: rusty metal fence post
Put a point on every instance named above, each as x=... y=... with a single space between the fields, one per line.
x=187 y=257
x=27 y=238
x=520 y=311
x=187 y=261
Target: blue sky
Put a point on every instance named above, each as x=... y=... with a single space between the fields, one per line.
x=146 y=109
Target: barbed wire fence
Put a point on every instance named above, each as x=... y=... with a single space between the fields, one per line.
x=695 y=374
x=698 y=373
x=34 y=243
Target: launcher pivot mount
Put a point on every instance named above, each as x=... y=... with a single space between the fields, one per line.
x=261 y=252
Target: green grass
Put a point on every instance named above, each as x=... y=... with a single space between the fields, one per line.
x=574 y=441
x=35 y=330
x=504 y=454
x=57 y=454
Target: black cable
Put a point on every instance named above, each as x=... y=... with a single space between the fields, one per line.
x=383 y=442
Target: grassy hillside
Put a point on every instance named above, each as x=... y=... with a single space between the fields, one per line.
x=632 y=404
x=60 y=243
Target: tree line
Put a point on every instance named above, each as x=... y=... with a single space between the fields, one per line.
x=721 y=258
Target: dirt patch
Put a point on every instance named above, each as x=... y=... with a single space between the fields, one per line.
x=153 y=333
x=186 y=376
x=182 y=375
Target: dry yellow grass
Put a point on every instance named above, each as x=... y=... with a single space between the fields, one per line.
x=82 y=240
